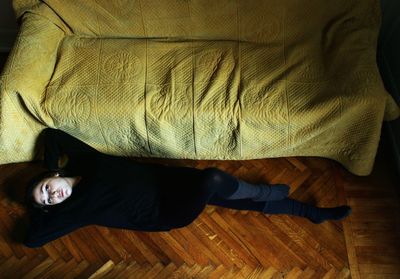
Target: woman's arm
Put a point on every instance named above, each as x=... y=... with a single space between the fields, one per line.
x=58 y=143
x=43 y=229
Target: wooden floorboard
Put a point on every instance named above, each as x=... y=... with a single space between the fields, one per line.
x=372 y=231
x=225 y=243
x=221 y=243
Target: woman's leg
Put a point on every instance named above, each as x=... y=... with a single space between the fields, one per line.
x=286 y=206
x=218 y=182
x=244 y=204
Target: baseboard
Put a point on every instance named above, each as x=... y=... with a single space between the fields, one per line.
x=7 y=39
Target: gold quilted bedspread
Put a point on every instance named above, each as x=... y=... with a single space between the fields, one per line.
x=205 y=79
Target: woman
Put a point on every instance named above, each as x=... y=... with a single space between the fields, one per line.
x=94 y=188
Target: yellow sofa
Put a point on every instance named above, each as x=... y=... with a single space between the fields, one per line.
x=198 y=79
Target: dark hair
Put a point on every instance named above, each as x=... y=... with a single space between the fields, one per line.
x=29 y=200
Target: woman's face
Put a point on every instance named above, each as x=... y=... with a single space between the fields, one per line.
x=52 y=190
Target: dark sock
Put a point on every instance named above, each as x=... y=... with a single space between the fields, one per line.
x=316 y=215
x=259 y=192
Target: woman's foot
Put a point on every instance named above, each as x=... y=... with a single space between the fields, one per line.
x=334 y=213
x=316 y=215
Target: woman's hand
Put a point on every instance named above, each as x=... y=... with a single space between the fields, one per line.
x=62 y=161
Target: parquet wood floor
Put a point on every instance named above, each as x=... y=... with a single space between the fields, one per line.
x=224 y=243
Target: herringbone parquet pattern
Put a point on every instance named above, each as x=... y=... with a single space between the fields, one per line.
x=221 y=243
x=373 y=230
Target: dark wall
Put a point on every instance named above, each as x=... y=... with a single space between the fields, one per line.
x=389 y=65
x=8 y=25
x=3 y=58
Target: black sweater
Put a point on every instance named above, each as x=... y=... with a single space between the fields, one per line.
x=114 y=192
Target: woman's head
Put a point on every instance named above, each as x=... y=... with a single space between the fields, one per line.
x=50 y=189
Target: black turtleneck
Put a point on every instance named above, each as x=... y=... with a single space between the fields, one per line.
x=114 y=192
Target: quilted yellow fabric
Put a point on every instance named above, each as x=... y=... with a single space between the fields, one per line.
x=205 y=79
